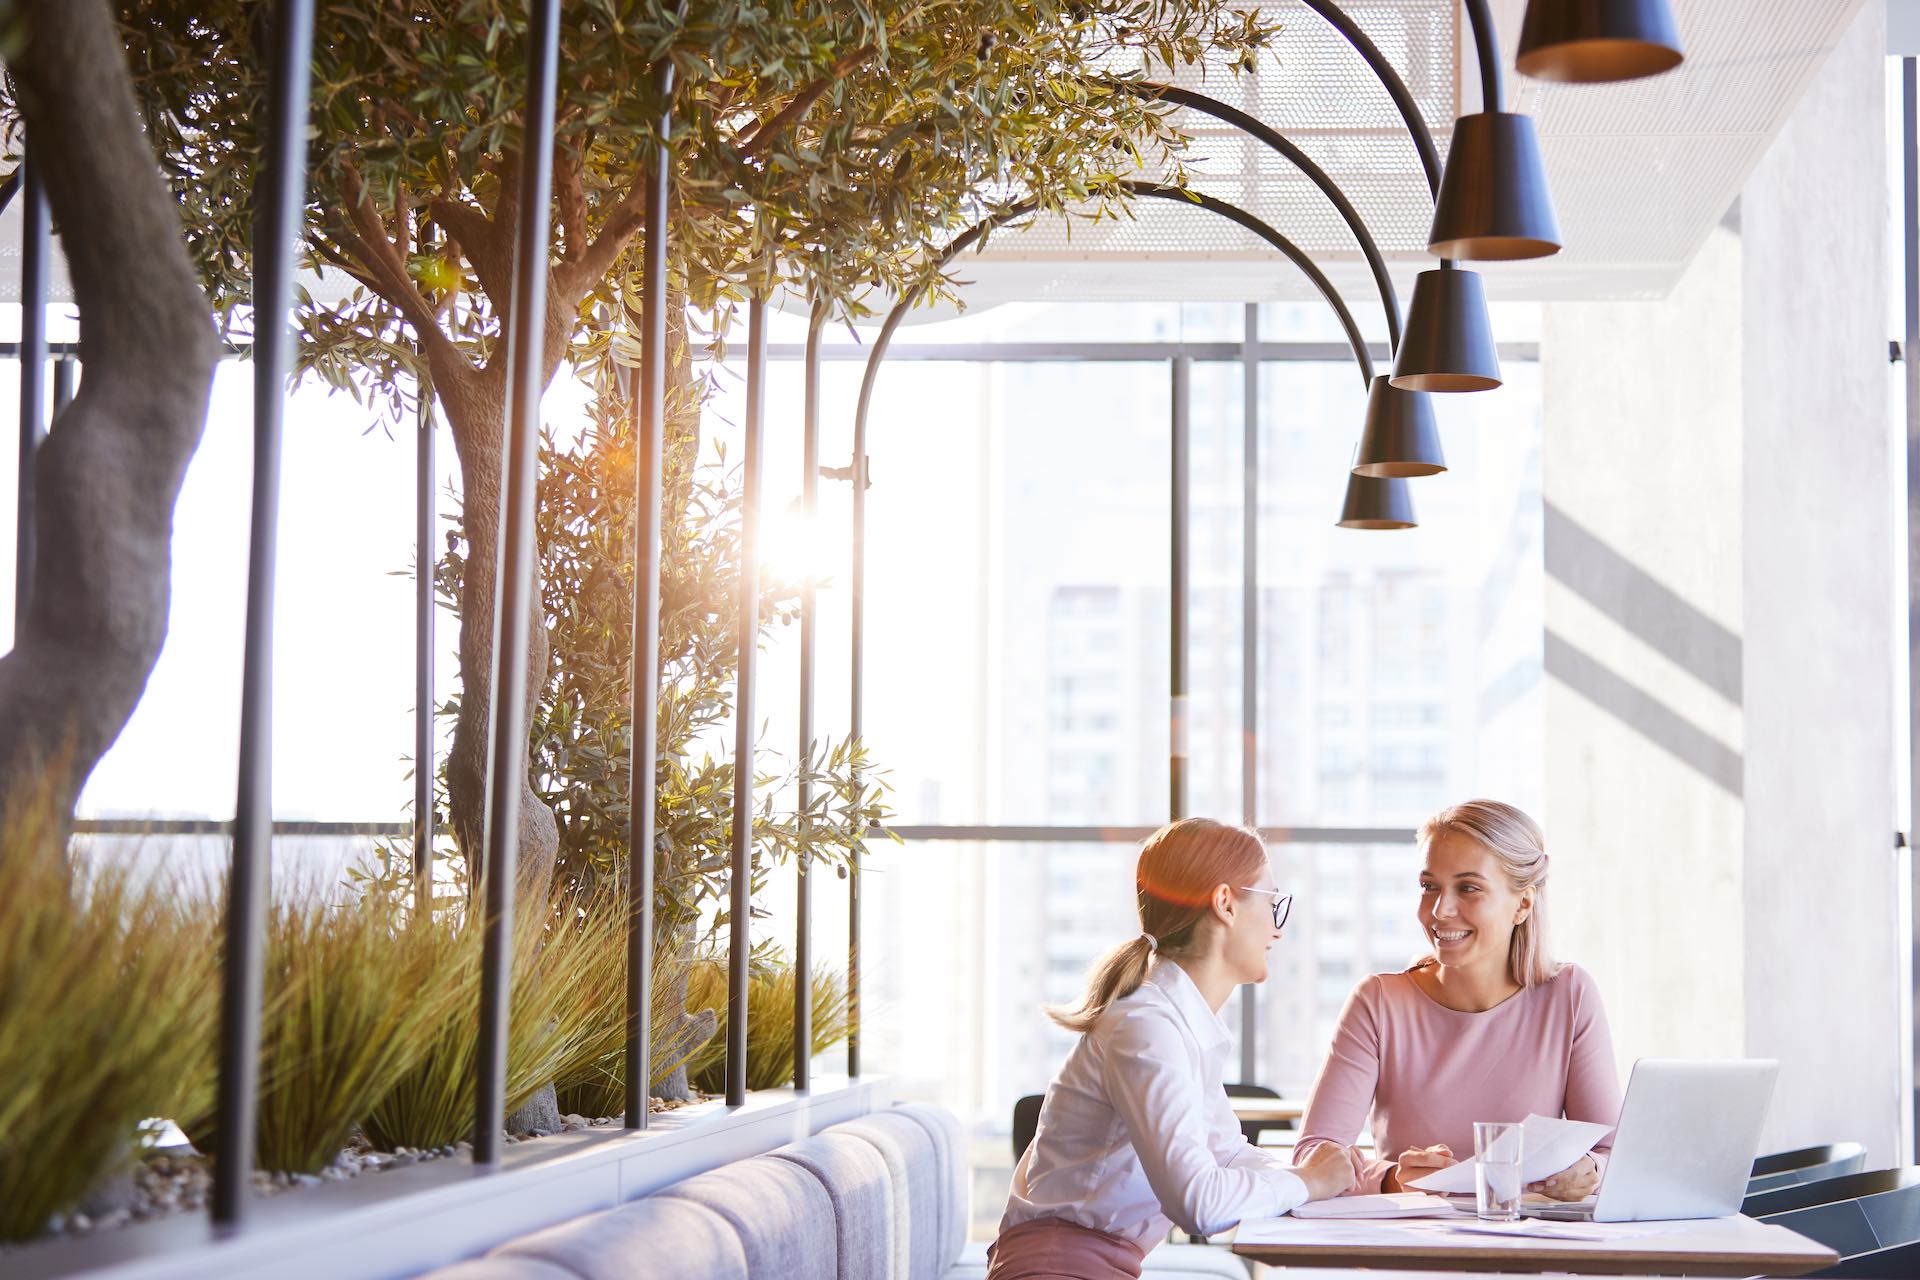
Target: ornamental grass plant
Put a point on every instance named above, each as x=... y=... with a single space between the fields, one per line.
x=771 y=985
x=109 y=991
x=569 y=970
x=595 y=1084
x=353 y=989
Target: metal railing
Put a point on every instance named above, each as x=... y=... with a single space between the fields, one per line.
x=276 y=243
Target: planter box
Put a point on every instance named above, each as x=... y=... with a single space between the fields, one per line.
x=400 y=1222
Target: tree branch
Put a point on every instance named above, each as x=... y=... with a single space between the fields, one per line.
x=572 y=198
x=764 y=134
x=385 y=267
x=478 y=235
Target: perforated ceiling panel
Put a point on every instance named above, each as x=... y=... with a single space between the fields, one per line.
x=1315 y=90
x=1640 y=171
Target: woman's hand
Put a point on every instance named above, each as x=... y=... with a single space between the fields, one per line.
x=1416 y=1163
x=1328 y=1171
x=1575 y=1183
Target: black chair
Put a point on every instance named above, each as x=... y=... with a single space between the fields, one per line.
x=1026 y=1122
x=1808 y=1164
x=1254 y=1128
x=1901 y=1262
x=1857 y=1216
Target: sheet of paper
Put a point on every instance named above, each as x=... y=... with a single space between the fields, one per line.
x=1534 y=1227
x=1401 y=1205
x=1441 y=1233
x=1547 y=1146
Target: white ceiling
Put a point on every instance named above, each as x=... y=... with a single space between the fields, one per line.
x=1640 y=171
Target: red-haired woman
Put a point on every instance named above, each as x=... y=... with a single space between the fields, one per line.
x=1136 y=1134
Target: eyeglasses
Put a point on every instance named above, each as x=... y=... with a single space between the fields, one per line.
x=1282 y=903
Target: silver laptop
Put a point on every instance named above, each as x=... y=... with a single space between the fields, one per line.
x=1689 y=1131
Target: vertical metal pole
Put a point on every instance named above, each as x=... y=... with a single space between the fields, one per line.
x=857 y=689
x=506 y=760
x=803 y=897
x=1177 y=602
x=740 y=903
x=1250 y=643
x=1910 y=208
x=424 y=558
x=857 y=682
x=650 y=451
x=282 y=202
x=35 y=252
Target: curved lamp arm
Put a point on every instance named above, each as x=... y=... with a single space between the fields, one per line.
x=967 y=238
x=1298 y=256
x=1259 y=129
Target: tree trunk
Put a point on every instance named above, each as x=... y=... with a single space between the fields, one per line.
x=110 y=470
x=476 y=405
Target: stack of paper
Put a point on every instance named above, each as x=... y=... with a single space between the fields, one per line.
x=1403 y=1205
x=1547 y=1146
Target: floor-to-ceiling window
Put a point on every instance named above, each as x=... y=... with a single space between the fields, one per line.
x=1018 y=652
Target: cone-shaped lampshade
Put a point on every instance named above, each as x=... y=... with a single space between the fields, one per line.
x=1448 y=345
x=1400 y=438
x=1595 y=41
x=1494 y=203
x=1373 y=503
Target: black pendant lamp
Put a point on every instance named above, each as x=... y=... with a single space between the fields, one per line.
x=1400 y=438
x=1448 y=344
x=1373 y=503
x=1494 y=203
x=1597 y=41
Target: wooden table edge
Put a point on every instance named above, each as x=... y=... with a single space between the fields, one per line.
x=1613 y=1262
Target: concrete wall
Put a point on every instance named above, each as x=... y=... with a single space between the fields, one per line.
x=1643 y=655
x=1718 y=552
x=1822 y=978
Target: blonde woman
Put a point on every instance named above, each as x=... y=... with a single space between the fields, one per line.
x=1486 y=1027
x=1136 y=1134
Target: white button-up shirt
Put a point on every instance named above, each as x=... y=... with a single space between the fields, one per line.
x=1136 y=1134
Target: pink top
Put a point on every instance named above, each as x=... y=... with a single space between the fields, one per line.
x=1428 y=1072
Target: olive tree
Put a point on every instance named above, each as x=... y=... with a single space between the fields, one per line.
x=824 y=146
x=110 y=469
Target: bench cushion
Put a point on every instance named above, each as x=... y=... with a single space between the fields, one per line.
x=855 y=1176
x=780 y=1211
x=955 y=1183
x=647 y=1239
x=913 y=1163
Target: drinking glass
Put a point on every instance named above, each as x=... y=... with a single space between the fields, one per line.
x=1496 y=1148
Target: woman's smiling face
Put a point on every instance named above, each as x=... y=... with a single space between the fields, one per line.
x=1467 y=908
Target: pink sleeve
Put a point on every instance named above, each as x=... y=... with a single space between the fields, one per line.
x=1343 y=1095
x=1593 y=1083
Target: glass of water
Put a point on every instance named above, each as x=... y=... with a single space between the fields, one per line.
x=1496 y=1150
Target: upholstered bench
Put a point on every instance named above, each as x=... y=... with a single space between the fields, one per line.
x=882 y=1197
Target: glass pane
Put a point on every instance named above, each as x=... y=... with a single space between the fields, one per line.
x=1400 y=671
x=1353 y=914
x=964 y=944
x=1215 y=603
x=343 y=621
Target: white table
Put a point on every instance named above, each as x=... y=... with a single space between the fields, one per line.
x=1737 y=1246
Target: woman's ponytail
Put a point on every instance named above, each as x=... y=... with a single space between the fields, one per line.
x=1180 y=866
x=1115 y=975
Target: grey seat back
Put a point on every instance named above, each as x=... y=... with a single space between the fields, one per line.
x=914 y=1164
x=649 y=1239
x=860 y=1187
x=954 y=1188
x=780 y=1211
